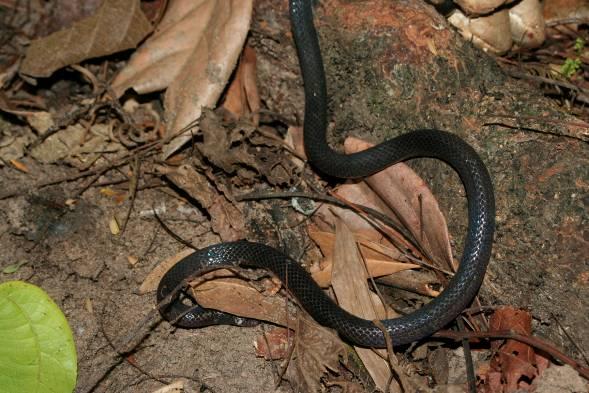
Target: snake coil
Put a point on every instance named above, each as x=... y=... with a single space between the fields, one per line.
x=421 y=143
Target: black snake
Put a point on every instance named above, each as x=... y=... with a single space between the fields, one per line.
x=421 y=143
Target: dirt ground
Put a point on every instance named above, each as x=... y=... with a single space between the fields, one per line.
x=541 y=175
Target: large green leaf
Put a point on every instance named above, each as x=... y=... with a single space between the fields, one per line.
x=37 y=351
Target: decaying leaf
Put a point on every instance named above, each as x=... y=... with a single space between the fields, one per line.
x=191 y=54
x=193 y=182
x=76 y=145
x=514 y=359
x=116 y=26
x=409 y=197
x=235 y=149
x=274 y=344
x=316 y=351
x=515 y=365
x=226 y=219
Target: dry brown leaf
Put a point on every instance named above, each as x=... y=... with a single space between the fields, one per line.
x=221 y=290
x=316 y=350
x=19 y=165
x=242 y=98
x=66 y=13
x=227 y=220
x=514 y=360
x=413 y=203
x=295 y=139
x=361 y=194
x=192 y=53
x=375 y=267
x=152 y=280
x=357 y=192
x=349 y=282
x=116 y=26
x=420 y=282
x=187 y=178
x=274 y=344
x=235 y=149
x=236 y=296
x=374 y=255
x=368 y=247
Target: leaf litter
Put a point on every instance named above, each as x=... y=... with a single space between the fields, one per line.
x=191 y=54
x=231 y=152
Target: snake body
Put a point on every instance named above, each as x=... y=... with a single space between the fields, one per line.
x=421 y=143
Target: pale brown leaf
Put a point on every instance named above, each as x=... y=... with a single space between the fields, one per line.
x=360 y=193
x=378 y=263
x=349 y=282
x=221 y=290
x=376 y=268
x=192 y=53
x=116 y=26
x=413 y=203
x=369 y=248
